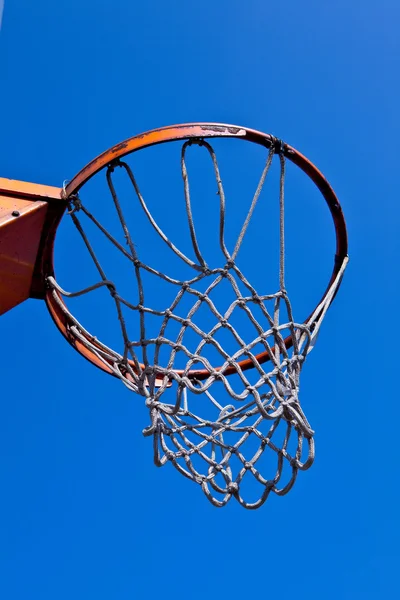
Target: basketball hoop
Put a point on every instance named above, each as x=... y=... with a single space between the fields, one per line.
x=221 y=441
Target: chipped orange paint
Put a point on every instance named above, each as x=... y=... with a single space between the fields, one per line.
x=29 y=191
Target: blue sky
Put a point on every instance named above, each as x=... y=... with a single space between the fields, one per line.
x=83 y=511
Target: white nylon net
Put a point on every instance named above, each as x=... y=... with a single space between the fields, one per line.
x=233 y=424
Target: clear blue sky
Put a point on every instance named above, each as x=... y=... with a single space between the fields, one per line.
x=83 y=511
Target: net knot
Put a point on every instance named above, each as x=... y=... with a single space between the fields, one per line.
x=113 y=164
x=233 y=488
x=111 y=288
x=278 y=145
x=151 y=403
x=216 y=468
x=196 y=141
x=74 y=204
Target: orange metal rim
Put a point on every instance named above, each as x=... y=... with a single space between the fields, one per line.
x=198 y=131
